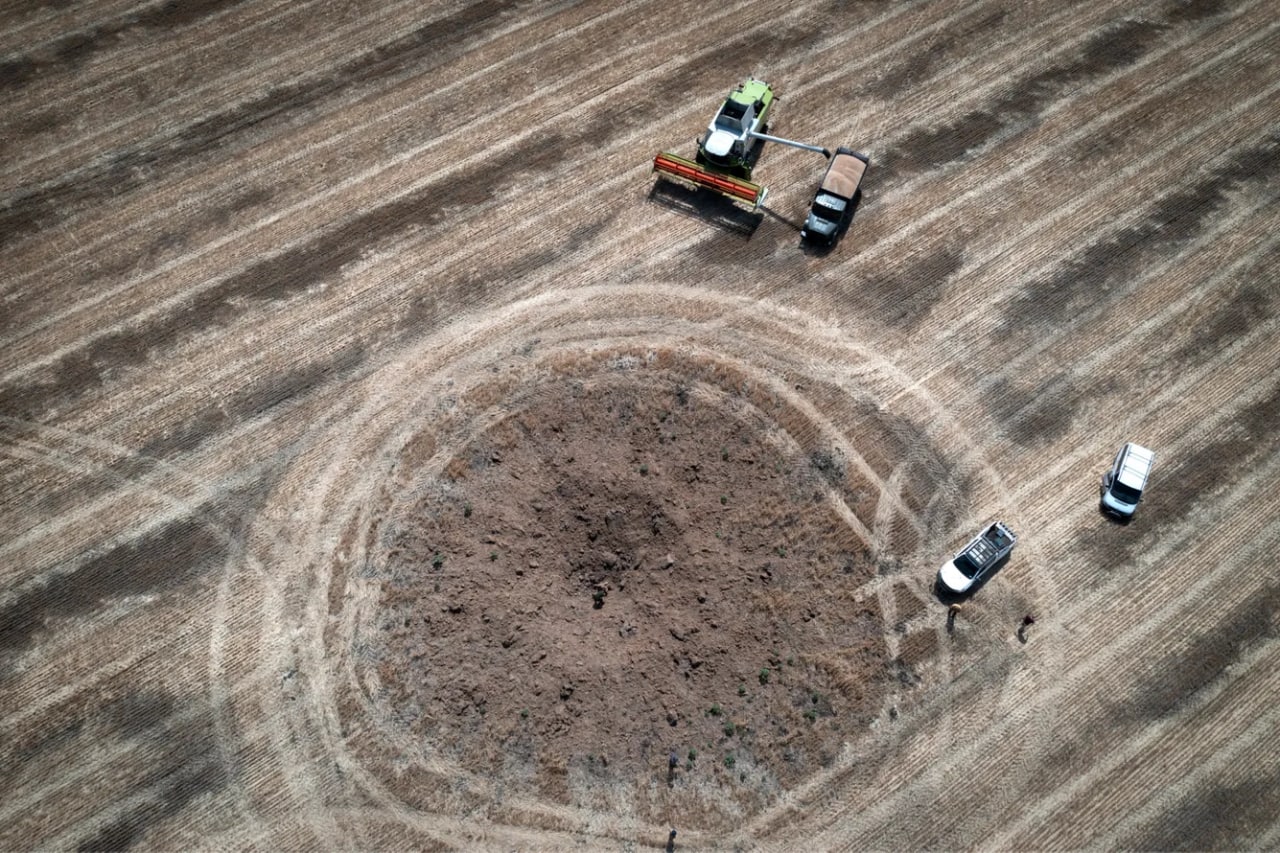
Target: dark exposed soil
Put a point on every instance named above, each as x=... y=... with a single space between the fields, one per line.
x=618 y=574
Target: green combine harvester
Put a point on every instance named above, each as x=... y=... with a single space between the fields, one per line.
x=728 y=152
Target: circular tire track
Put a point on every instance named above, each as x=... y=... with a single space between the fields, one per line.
x=300 y=612
x=175 y=493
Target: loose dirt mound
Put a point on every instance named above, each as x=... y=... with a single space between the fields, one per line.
x=619 y=574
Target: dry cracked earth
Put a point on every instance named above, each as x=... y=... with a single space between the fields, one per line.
x=388 y=461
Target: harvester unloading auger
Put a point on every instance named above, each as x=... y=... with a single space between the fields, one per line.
x=732 y=145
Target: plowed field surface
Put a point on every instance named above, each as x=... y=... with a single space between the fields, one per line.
x=388 y=461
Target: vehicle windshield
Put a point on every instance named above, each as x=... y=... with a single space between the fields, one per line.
x=966 y=565
x=1126 y=494
x=830 y=206
x=731 y=116
x=825 y=212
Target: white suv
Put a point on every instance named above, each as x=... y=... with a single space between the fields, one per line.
x=1123 y=483
x=972 y=562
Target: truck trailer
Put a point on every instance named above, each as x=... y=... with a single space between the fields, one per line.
x=833 y=205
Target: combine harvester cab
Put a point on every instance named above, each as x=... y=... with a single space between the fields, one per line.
x=728 y=151
x=732 y=144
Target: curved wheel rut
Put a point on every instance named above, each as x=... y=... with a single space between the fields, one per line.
x=488 y=565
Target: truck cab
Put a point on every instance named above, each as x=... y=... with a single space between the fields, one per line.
x=833 y=204
x=1125 y=480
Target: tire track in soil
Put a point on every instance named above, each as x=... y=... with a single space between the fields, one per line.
x=1079 y=133
x=201 y=493
x=936 y=781
x=37 y=545
x=370 y=479
x=1088 y=655
x=206 y=532
x=66 y=449
x=253 y=401
x=916 y=742
x=979 y=759
x=448 y=177
x=1147 y=591
x=1107 y=717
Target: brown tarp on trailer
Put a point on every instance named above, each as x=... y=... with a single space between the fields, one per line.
x=843 y=175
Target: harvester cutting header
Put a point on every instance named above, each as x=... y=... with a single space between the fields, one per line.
x=731 y=146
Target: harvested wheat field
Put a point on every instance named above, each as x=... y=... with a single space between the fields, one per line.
x=388 y=460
